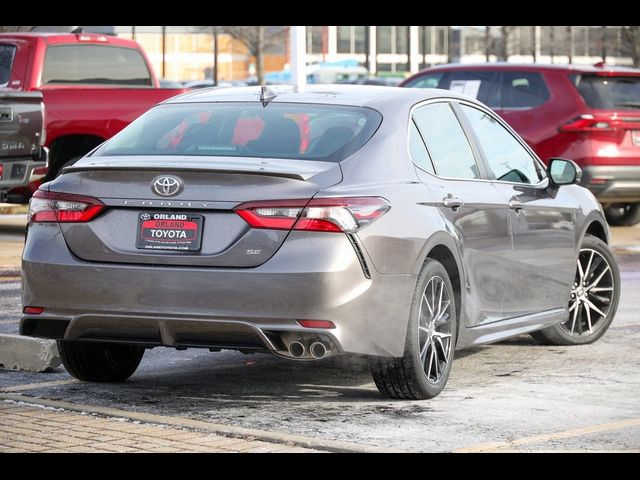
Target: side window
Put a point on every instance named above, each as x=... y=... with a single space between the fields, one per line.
x=477 y=84
x=7 y=52
x=523 y=90
x=507 y=159
x=417 y=149
x=446 y=141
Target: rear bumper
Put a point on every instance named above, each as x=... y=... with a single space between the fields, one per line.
x=19 y=173
x=313 y=276
x=613 y=183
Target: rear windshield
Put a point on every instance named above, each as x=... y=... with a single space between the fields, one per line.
x=7 y=52
x=247 y=129
x=95 y=65
x=609 y=93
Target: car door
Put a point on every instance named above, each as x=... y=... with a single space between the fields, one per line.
x=473 y=209
x=542 y=221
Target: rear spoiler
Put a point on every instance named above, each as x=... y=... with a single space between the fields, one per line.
x=294 y=169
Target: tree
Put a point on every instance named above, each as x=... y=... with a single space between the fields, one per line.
x=631 y=40
x=504 y=44
x=487 y=43
x=257 y=39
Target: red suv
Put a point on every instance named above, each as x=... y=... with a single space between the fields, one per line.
x=589 y=114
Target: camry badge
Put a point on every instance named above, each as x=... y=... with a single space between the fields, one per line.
x=166 y=185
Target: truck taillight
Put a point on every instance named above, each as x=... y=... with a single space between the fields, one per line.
x=344 y=214
x=63 y=207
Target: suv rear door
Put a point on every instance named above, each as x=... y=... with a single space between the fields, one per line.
x=523 y=103
x=479 y=84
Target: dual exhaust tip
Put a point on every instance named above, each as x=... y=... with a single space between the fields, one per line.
x=317 y=350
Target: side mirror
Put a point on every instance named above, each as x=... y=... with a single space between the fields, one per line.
x=564 y=172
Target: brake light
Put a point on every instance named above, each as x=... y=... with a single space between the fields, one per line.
x=344 y=214
x=63 y=207
x=316 y=324
x=33 y=310
x=589 y=123
x=601 y=124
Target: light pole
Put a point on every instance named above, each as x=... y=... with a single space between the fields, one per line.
x=298 y=57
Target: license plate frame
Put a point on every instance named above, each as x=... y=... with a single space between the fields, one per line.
x=169 y=231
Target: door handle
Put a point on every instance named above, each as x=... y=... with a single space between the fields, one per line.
x=452 y=202
x=516 y=205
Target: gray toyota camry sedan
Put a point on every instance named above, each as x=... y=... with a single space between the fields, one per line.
x=400 y=224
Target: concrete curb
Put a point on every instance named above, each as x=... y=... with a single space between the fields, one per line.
x=10 y=272
x=220 y=429
x=28 y=354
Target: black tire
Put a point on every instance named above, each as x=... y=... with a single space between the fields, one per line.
x=559 y=334
x=623 y=214
x=100 y=362
x=405 y=377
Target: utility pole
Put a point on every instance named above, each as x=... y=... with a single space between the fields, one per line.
x=215 y=57
x=298 y=57
x=164 y=51
x=570 y=36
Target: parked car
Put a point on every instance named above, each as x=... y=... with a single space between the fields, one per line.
x=380 y=81
x=92 y=86
x=590 y=114
x=208 y=83
x=404 y=239
x=23 y=156
x=166 y=83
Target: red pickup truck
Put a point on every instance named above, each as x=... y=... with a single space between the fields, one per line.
x=92 y=86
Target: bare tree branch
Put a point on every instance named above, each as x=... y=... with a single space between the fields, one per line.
x=257 y=39
x=504 y=45
x=631 y=40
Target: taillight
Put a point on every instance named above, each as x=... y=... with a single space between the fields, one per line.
x=63 y=207
x=33 y=310
x=316 y=324
x=589 y=123
x=344 y=214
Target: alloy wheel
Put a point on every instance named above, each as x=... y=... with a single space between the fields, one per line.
x=434 y=326
x=591 y=294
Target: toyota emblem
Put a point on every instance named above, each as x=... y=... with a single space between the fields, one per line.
x=166 y=185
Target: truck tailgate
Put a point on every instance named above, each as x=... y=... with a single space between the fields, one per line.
x=21 y=124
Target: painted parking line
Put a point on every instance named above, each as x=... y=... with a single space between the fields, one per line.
x=33 y=386
x=8 y=322
x=535 y=439
x=218 y=428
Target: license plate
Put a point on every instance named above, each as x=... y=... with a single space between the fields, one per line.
x=635 y=137
x=169 y=231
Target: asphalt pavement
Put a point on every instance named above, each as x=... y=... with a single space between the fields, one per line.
x=512 y=396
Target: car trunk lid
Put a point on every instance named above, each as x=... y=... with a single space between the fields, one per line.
x=210 y=190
